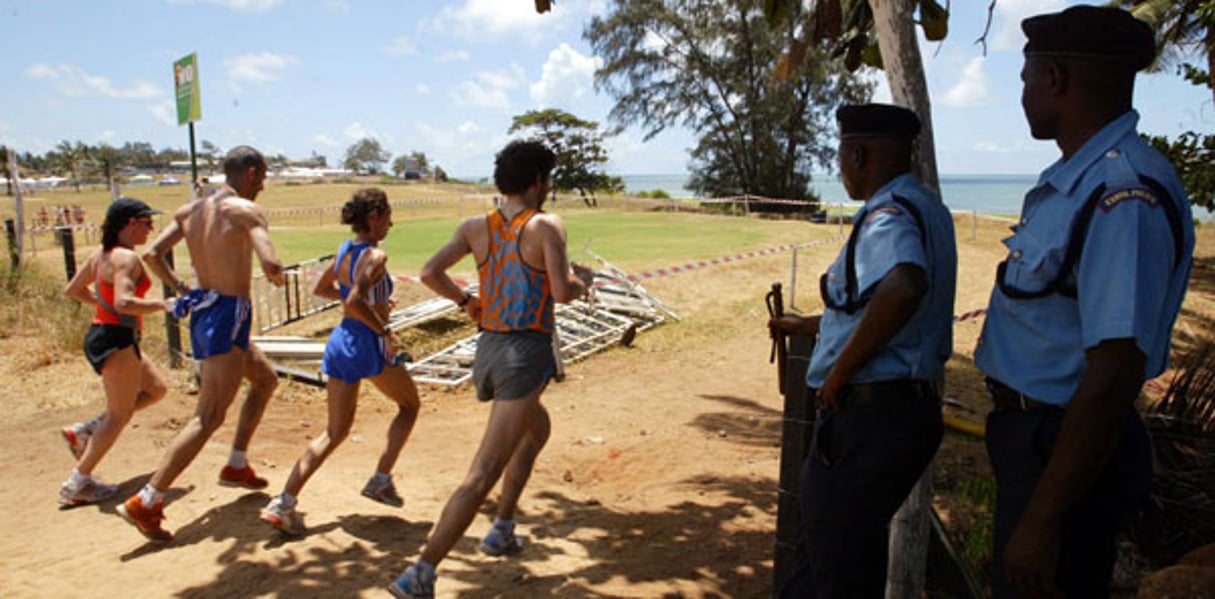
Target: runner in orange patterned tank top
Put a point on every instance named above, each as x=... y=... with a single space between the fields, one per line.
x=515 y=296
x=521 y=255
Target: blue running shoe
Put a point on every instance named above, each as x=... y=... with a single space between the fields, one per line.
x=499 y=541
x=413 y=585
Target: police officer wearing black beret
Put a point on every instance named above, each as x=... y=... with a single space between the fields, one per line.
x=1082 y=311
x=878 y=360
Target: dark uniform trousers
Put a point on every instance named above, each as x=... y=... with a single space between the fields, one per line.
x=864 y=459
x=1019 y=443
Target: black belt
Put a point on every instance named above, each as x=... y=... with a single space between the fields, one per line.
x=865 y=392
x=1007 y=399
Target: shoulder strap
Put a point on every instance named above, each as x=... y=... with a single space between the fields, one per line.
x=854 y=301
x=1079 y=234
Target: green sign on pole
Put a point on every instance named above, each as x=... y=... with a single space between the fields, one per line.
x=185 y=79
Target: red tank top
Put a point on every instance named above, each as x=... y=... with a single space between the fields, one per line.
x=514 y=296
x=105 y=314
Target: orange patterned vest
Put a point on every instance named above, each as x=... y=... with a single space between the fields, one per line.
x=514 y=296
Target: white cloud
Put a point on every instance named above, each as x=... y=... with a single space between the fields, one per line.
x=567 y=74
x=402 y=46
x=74 y=81
x=468 y=127
x=258 y=67
x=422 y=89
x=475 y=19
x=357 y=131
x=1006 y=24
x=490 y=89
x=165 y=112
x=325 y=140
x=453 y=56
x=973 y=87
x=336 y=5
x=248 y=6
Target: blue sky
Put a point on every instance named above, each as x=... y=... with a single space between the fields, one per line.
x=302 y=76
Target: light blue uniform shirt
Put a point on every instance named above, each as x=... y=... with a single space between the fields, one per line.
x=889 y=236
x=1129 y=283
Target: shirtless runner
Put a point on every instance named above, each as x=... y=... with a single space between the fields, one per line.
x=222 y=231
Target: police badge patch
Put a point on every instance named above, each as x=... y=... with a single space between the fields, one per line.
x=1108 y=202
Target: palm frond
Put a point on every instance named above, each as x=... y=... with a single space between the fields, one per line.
x=1181 y=515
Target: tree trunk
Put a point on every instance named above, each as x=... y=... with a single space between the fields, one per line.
x=895 y=25
x=894 y=21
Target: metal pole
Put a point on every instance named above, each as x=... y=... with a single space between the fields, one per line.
x=193 y=160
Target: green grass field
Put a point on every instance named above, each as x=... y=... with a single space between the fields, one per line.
x=304 y=224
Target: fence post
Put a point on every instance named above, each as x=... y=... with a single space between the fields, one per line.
x=797 y=429
x=69 y=251
x=14 y=254
x=793 y=280
x=172 y=328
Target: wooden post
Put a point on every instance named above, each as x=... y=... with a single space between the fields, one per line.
x=907 y=566
x=69 y=251
x=797 y=430
x=172 y=328
x=14 y=251
x=793 y=280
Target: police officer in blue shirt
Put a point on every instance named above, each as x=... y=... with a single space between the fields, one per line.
x=1082 y=310
x=878 y=361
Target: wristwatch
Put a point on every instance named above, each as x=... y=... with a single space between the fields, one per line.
x=464 y=300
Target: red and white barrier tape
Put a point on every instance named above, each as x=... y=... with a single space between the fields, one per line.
x=690 y=266
x=969 y=315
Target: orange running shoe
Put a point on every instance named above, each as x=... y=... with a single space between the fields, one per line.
x=242 y=477
x=146 y=519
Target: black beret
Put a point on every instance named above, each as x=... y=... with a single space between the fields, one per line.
x=877 y=120
x=1092 y=32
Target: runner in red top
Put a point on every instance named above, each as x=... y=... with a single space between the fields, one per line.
x=113 y=279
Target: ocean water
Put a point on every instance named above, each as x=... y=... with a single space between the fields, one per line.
x=992 y=194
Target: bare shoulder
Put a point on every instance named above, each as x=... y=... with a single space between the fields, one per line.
x=125 y=258
x=185 y=210
x=473 y=227
x=242 y=211
x=547 y=223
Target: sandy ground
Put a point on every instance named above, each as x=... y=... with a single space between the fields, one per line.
x=659 y=480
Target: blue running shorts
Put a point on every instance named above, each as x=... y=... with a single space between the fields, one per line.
x=354 y=351
x=217 y=327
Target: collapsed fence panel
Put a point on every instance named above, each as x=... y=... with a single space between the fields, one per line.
x=615 y=311
x=274 y=307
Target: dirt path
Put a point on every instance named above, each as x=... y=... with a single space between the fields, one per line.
x=659 y=479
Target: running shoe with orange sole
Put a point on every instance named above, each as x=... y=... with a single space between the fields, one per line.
x=242 y=477
x=145 y=519
x=77 y=437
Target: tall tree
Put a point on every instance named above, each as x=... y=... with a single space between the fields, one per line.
x=1185 y=36
x=578 y=144
x=106 y=159
x=366 y=156
x=211 y=155
x=70 y=158
x=707 y=65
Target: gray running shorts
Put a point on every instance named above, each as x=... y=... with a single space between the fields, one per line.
x=512 y=365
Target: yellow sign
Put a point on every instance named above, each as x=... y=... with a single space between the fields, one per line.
x=185 y=80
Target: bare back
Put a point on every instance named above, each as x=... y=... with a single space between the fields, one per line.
x=219 y=232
